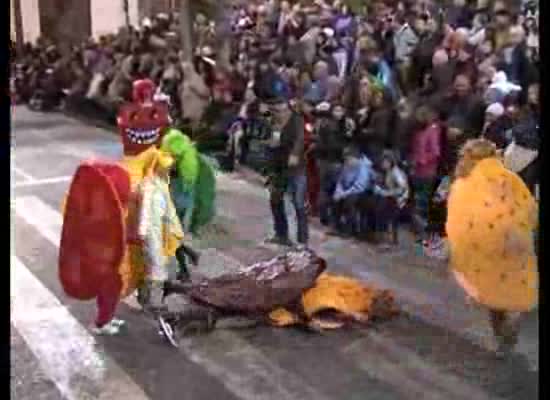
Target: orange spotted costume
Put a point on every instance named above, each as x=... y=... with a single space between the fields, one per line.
x=491 y=219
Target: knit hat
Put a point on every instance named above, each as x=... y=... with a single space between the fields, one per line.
x=495 y=109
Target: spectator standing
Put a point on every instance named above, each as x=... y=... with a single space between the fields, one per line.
x=497 y=126
x=328 y=152
x=425 y=160
x=288 y=174
x=312 y=169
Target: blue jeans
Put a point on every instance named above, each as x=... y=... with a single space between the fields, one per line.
x=329 y=177
x=297 y=188
x=184 y=202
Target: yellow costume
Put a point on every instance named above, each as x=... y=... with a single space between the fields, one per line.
x=347 y=298
x=490 y=224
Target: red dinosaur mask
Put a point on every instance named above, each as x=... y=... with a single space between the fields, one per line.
x=142 y=122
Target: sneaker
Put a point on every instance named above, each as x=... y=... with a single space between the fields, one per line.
x=118 y=322
x=384 y=247
x=168 y=332
x=275 y=240
x=436 y=248
x=108 y=329
x=503 y=351
x=301 y=247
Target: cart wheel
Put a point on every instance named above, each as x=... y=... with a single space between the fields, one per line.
x=169 y=332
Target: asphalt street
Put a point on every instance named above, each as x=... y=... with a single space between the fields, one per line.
x=440 y=348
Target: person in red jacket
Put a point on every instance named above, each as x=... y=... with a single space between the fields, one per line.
x=312 y=170
x=425 y=157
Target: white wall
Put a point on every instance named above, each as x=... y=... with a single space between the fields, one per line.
x=12 y=23
x=31 y=20
x=108 y=15
x=133 y=10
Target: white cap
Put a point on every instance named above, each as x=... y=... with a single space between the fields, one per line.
x=323 y=107
x=495 y=109
x=329 y=32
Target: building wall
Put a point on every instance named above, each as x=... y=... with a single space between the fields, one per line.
x=108 y=15
x=31 y=20
x=12 y=22
x=65 y=21
x=149 y=8
x=69 y=21
x=133 y=9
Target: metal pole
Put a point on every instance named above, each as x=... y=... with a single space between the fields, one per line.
x=185 y=30
x=19 y=40
x=126 y=12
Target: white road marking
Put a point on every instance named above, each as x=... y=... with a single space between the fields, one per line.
x=242 y=369
x=66 y=351
x=45 y=181
x=424 y=306
x=26 y=176
x=415 y=378
x=430 y=309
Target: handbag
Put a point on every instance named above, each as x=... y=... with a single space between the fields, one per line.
x=517 y=158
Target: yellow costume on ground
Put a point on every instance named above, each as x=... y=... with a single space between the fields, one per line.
x=490 y=224
x=348 y=298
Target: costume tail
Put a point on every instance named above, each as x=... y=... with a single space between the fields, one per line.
x=205 y=196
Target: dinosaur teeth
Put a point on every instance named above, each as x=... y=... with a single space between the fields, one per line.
x=142 y=136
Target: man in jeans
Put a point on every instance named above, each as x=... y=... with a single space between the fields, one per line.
x=288 y=173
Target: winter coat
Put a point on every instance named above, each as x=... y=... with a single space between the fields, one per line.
x=404 y=42
x=426 y=151
x=395 y=185
x=194 y=95
x=354 y=180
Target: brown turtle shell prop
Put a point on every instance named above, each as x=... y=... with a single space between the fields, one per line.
x=288 y=290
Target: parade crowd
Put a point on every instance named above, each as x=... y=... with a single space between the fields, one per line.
x=358 y=111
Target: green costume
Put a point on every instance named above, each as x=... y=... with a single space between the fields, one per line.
x=193 y=185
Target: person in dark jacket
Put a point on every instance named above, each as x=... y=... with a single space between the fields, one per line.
x=523 y=155
x=375 y=136
x=329 y=143
x=465 y=103
x=288 y=173
x=497 y=126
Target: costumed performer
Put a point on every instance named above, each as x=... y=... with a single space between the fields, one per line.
x=193 y=183
x=490 y=221
x=160 y=231
x=102 y=207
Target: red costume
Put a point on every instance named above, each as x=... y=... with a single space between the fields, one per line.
x=313 y=178
x=97 y=256
x=142 y=122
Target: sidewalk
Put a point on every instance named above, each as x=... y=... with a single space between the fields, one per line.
x=422 y=286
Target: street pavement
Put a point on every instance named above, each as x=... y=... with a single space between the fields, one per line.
x=439 y=348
